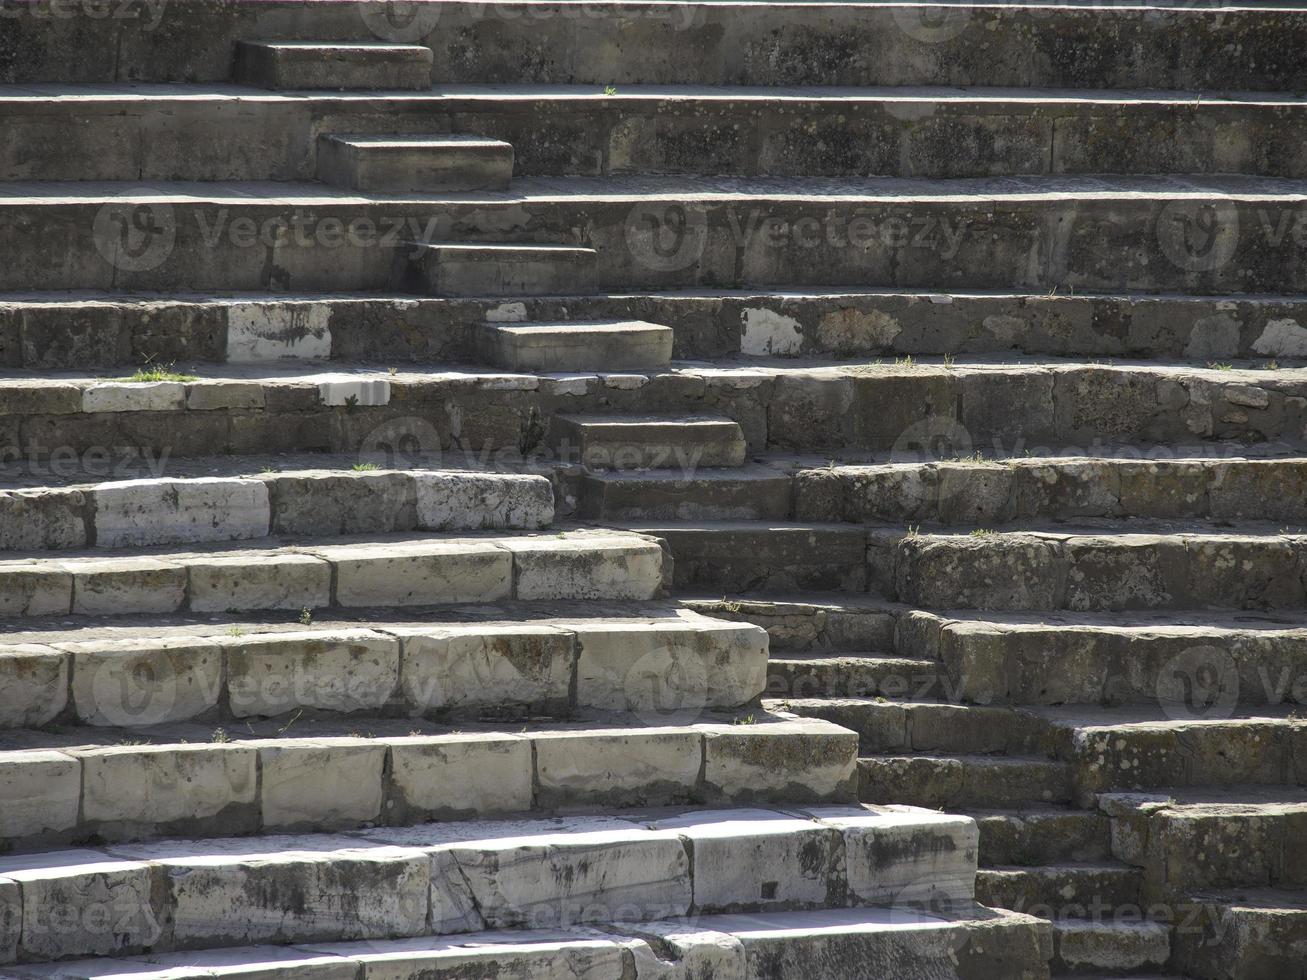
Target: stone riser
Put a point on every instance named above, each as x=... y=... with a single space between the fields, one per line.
x=162 y=511
x=1026 y=571
x=105 y=331
x=204 y=787
x=734 y=44
x=1093 y=891
x=986 y=663
x=415 y=572
x=1040 y=410
x=414 y=672
x=218 y=138
x=953 y=783
x=1084 y=237
x=1034 y=837
x=1236 y=935
x=429 y=881
x=854 y=945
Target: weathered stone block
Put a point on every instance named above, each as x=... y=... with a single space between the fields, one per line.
x=144 y=682
x=219 y=583
x=107 y=586
x=145 y=512
x=321 y=782
x=340 y=670
x=157 y=785
x=793 y=760
x=459 y=775
x=123 y=396
x=33 y=685
x=30 y=589
x=475 y=501
x=420 y=573
x=475 y=667
x=41 y=790
x=616 y=767
x=36 y=520
x=590 y=566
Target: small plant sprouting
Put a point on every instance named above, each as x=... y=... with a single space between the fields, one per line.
x=1220 y=366
x=914 y=530
x=162 y=372
x=365 y=467
x=235 y=631
x=306 y=616
x=352 y=402
x=220 y=736
x=610 y=90
x=983 y=532
x=746 y=720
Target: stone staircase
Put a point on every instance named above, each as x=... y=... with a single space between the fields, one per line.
x=682 y=491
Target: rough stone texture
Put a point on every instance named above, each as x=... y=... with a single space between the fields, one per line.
x=113 y=585
x=615 y=768
x=460 y=775
x=33 y=685
x=419 y=573
x=802 y=761
x=320 y=782
x=471 y=501
x=42 y=792
x=148 y=682
x=342 y=671
x=145 y=512
x=588 y=567
x=275 y=581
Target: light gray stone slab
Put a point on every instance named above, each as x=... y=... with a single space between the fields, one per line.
x=419 y=573
x=585 y=567
x=33 y=685
x=162 y=784
x=145 y=512
x=109 y=586
x=320 y=782
x=476 y=501
x=220 y=583
x=461 y=774
x=41 y=792
x=338 y=670
x=144 y=682
x=133 y=396
x=615 y=766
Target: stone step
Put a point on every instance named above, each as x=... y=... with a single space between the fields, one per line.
x=925 y=726
x=1188 y=840
x=760 y=557
x=399 y=164
x=1177 y=745
x=385 y=570
x=1178 y=568
x=970 y=943
x=1034 y=836
x=596 y=345
x=483 y=269
x=1249 y=932
x=963 y=781
x=197 y=780
x=553 y=666
x=824 y=674
x=333 y=65
x=1157 y=44
x=939 y=234
x=366 y=499
x=1064 y=891
x=1120 y=946
x=994 y=491
x=795 y=131
x=83 y=331
x=748 y=492
x=809 y=622
x=446 y=879
x=1188 y=660
x=681 y=444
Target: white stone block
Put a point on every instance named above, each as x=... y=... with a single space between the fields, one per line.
x=144 y=682
x=41 y=791
x=162 y=784
x=485 y=665
x=35 y=589
x=419 y=573
x=109 y=586
x=321 y=782
x=144 y=512
x=477 y=501
x=461 y=775
x=221 y=583
x=346 y=390
x=133 y=396
x=269 y=331
x=617 y=766
x=587 y=566
x=33 y=685
x=338 y=670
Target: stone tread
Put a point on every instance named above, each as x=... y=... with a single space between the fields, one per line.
x=722 y=940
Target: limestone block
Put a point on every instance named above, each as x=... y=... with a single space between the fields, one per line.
x=674 y=669
x=457 y=776
x=235 y=892
x=747 y=860
x=340 y=670
x=537 y=955
x=1137 y=571
x=33 y=685
x=420 y=573
x=31 y=589
x=805 y=760
x=144 y=682
x=145 y=785
x=585 y=567
x=478 y=666
x=905 y=855
x=108 y=586
x=475 y=501
x=547 y=879
x=221 y=583
x=125 y=396
x=82 y=903
x=41 y=791
x=617 y=767
x=144 y=512
x=45 y=398
x=36 y=520
x=321 y=782
x=1002 y=572
x=331 y=502
x=259 y=332
x=211 y=396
